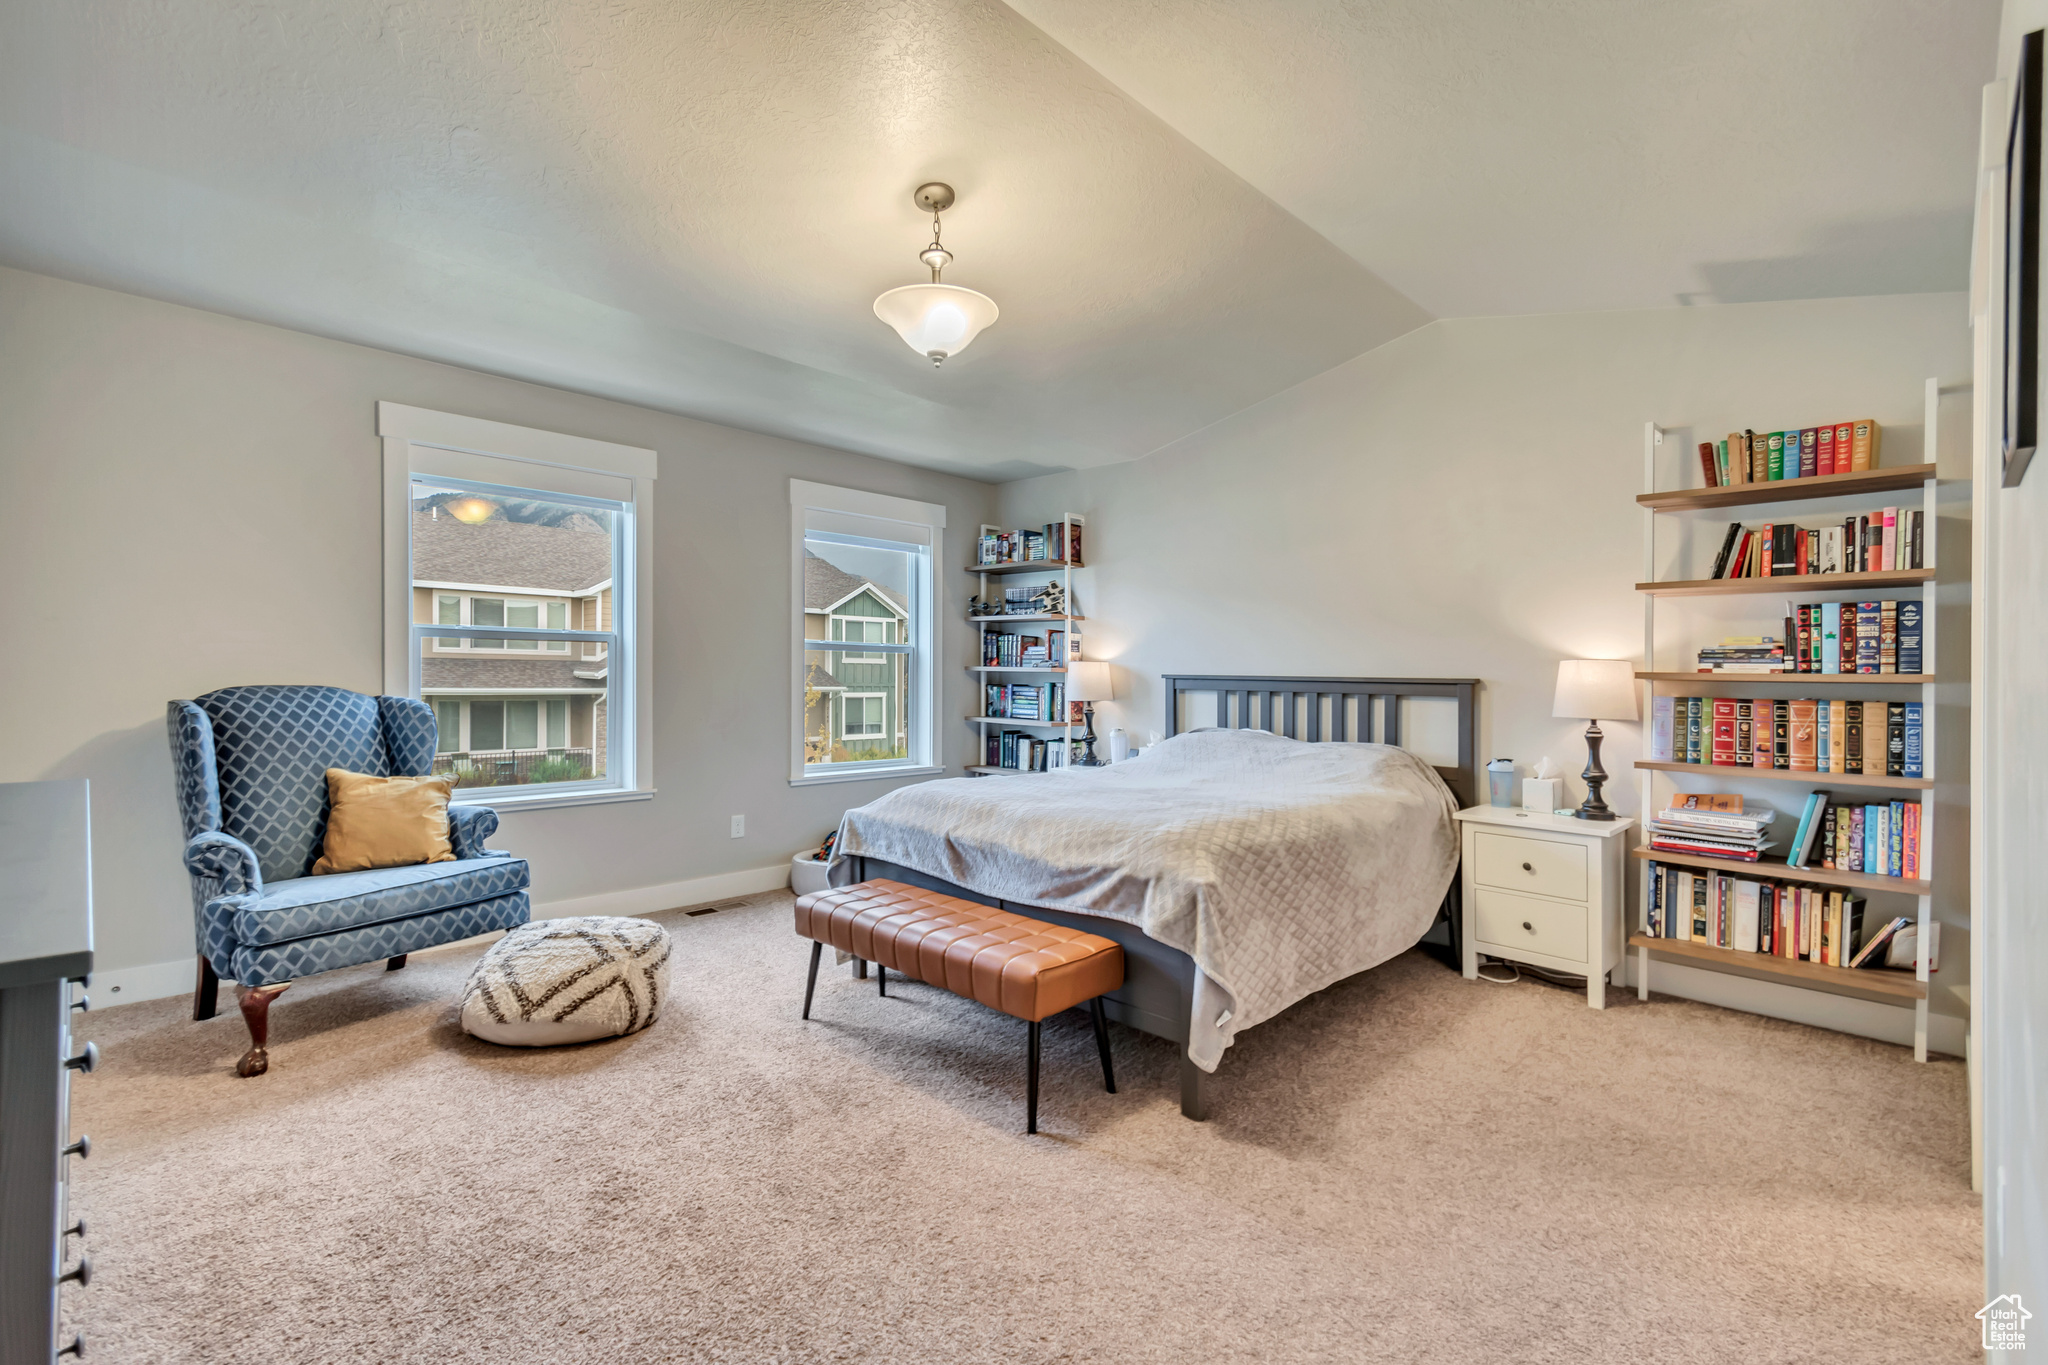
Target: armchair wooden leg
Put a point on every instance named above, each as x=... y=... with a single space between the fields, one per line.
x=206 y=993
x=255 y=1002
x=394 y=964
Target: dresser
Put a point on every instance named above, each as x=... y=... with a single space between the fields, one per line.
x=45 y=956
x=1545 y=890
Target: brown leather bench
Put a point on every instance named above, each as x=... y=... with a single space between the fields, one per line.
x=1023 y=967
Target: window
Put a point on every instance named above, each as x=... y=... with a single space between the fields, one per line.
x=866 y=604
x=516 y=606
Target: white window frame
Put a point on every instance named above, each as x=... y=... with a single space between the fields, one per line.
x=424 y=443
x=853 y=511
x=882 y=718
x=865 y=621
x=466 y=609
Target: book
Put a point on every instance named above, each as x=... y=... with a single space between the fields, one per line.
x=1838 y=736
x=1809 y=450
x=1895 y=739
x=1872 y=953
x=1661 y=718
x=1803 y=640
x=1915 y=764
x=1803 y=834
x=1907 y=634
x=1888 y=637
x=1852 y=737
x=1739 y=456
x=1692 y=730
x=1721 y=560
x=1781 y=735
x=1823 y=735
x=1722 y=742
x=1697 y=897
x=1824 y=451
x=1889 y=539
x=1777 y=455
x=1707 y=464
x=1895 y=839
x=1828 y=824
x=1831 y=637
x=1868 y=616
x=1802 y=740
x=1720 y=803
x=1747 y=902
x=1863 y=445
x=1909 y=857
x=1859 y=837
x=1875 y=738
x=1745 y=733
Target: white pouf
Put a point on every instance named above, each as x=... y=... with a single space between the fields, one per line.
x=568 y=981
x=807 y=874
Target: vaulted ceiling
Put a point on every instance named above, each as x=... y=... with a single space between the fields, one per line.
x=1182 y=206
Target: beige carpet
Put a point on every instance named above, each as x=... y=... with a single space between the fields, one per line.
x=1408 y=1167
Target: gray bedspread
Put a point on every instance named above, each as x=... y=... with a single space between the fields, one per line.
x=1278 y=866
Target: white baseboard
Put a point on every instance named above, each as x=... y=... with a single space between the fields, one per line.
x=151 y=981
x=1844 y=1014
x=156 y=980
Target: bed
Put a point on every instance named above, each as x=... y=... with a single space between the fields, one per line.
x=1242 y=865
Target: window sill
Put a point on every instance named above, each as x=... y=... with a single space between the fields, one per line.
x=873 y=775
x=547 y=801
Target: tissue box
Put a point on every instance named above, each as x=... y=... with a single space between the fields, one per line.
x=1542 y=793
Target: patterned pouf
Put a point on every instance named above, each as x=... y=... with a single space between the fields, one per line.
x=568 y=981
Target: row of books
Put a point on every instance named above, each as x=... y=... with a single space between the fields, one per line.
x=1002 y=649
x=1766 y=456
x=1056 y=541
x=1879 y=840
x=1870 y=542
x=1800 y=735
x=1029 y=753
x=1776 y=918
x=1026 y=701
x=1874 y=638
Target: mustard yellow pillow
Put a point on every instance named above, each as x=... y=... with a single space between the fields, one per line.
x=384 y=822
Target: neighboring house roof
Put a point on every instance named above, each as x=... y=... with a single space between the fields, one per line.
x=826 y=585
x=481 y=670
x=571 y=558
x=819 y=678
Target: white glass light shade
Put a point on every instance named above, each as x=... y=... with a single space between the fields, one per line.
x=1596 y=689
x=937 y=320
x=1089 y=682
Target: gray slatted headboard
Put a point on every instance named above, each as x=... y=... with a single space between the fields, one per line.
x=1279 y=709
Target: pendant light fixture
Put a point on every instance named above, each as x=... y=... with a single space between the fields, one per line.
x=936 y=320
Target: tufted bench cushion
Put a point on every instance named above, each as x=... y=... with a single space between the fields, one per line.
x=1026 y=968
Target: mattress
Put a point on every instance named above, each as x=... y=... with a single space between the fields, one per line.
x=1279 y=866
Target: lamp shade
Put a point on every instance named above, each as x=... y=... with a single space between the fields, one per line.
x=1596 y=689
x=1089 y=682
x=937 y=320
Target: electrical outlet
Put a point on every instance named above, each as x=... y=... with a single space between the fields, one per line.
x=739 y=827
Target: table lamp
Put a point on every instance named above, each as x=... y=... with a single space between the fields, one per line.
x=1594 y=688
x=1089 y=683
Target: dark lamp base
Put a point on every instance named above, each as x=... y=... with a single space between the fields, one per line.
x=1593 y=808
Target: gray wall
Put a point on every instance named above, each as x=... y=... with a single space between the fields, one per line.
x=1460 y=503
x=192 y=502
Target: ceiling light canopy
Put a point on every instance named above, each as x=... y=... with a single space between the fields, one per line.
x=936 y=320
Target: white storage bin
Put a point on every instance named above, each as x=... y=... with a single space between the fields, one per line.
x=807 y=874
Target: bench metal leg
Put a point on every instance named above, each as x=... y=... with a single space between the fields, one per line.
x=860 y=969
x=811 y=984
x=1031 y=1084
x=1102 y=1043
x=882 y=980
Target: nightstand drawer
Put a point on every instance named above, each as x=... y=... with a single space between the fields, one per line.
x=1539 y=926
x=1534 y=865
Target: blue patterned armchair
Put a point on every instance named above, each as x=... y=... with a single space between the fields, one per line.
x=251 y=765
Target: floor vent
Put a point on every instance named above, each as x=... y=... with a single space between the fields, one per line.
x=715 y=907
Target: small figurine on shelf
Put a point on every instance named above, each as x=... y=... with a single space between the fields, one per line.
x=977 y=607
x=1053 y=600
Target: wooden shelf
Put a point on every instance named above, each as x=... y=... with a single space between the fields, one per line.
x=1775 y=867
x=1803 y=679
x=1878 y=983
x=1787 y=583
x=1027 y=724
x=1030 y=616
x=989 y=770
x=1010 y=668
x=1788 y=775
x=1027 y=566
x=1790 y=490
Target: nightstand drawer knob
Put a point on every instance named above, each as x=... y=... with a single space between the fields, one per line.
x=82 y=1272
x=1527 y=867
x=81 y=1148
x=86 y=1060
x=1528 y=926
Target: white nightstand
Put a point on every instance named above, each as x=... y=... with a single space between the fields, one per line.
x=1545 y=890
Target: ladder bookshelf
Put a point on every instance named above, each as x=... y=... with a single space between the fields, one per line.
x=1062 y=731
x=1893 y=987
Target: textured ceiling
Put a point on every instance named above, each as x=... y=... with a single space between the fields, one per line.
x=1182 y=206
x=691 y=206
x=1493 y=156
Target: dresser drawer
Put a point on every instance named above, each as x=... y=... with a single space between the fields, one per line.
x=1533 y=865
x=1536 y=926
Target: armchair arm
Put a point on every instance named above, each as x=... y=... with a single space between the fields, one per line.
x=225 y=860
x=468 y=827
